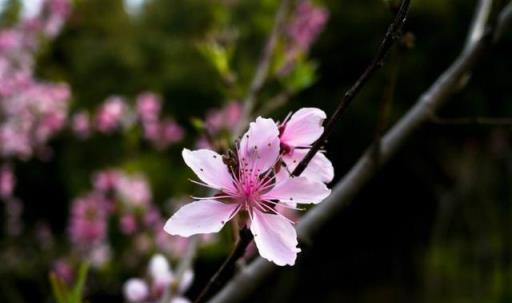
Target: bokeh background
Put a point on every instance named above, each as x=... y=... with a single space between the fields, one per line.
x=433 y=226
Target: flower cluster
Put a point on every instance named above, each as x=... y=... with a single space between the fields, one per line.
x=31 y=111
x=161 y=284
x=125 y=200
x=219 y=125
x=307 y=22
x=256 y=178
x=115 y=114
x=7 y=182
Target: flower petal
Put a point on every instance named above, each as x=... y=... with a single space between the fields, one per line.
x=186 y=281
x=298 y=190
x=179 y=300
x=275 y=238
x=210 y=168
x=135 y=290
x=304 y=127
x=200 y=217
x=320 y=168
x=160 y=271
x=259 y=147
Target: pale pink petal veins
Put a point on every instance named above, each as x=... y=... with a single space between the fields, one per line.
x=210 y=168
x=298 y=190
x=275 y=238
x=304 y=127
x=200 y=217
x=320 y=168
x=259 y=146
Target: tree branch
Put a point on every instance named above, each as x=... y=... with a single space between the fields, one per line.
x=392 y=34
x=263 y=65
x=361 y=173
x=228 y=267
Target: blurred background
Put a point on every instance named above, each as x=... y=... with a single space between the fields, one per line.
x=98 y=97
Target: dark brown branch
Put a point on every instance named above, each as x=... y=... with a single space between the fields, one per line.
x=392 y=35
x=360 y=174
x=228 y=267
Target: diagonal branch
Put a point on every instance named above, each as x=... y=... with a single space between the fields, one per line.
x=392 y=34
x=263 y=66
x=360 y=174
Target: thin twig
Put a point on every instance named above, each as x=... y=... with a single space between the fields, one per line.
x=275 y=102
x=228 y=267
x=362 y=172
x=386 y=103
x=263 y=66
x=392 y=34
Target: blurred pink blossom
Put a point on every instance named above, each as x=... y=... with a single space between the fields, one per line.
x=88 y=222
x=224 y=119
x=110 y=114
x=133 y=190
x=64 y=270
x=106 y=180
x=81 y=124
x=307 y=22
x=148 y=106
x=128 y=224
x=7 y=181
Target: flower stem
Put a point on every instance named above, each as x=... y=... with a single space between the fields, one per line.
x=392 y=35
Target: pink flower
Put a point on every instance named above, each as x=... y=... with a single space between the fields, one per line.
x=223 y=119
x=81 y=124
x=7 y=182
x=251 y=186
x=297 y=134
x=133 y=190
x=309 y=20
x=106 y=180
x=110 y=114
x=171 y=132
x=64 y=270
x=160 y=273
x=161 y=277
x=163 y=133
x=128 y=224
x=135 y=290
x=88 y=222
x=149 y=106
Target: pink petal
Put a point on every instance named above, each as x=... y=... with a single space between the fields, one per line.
x=298 y=190
x=304 y=127
x=259 y=147
x=210 y=168
x=200 y=217
x=320 y=168
x=275 y=238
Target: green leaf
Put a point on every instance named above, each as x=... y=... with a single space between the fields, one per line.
x=302 y=76
x=59 y=289
x=218 y=56
x=79 y=287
